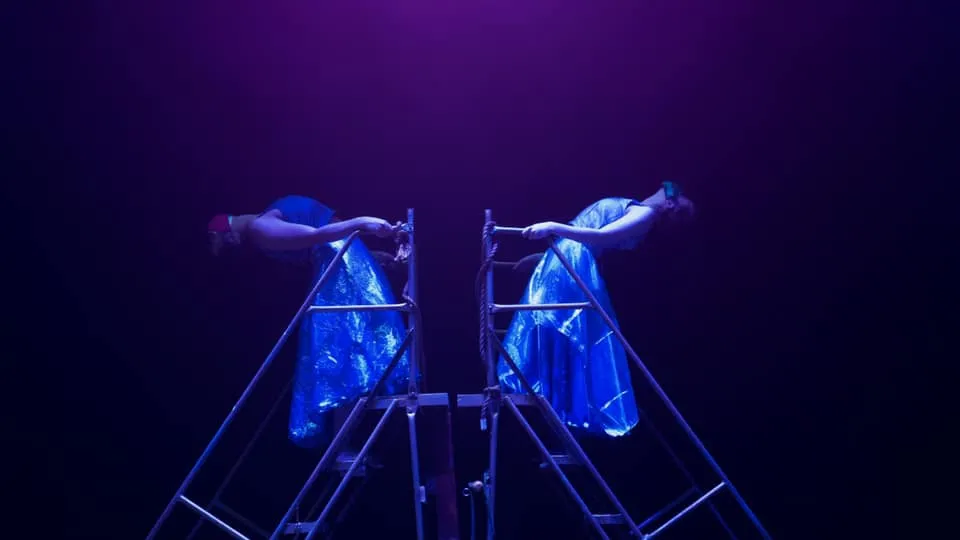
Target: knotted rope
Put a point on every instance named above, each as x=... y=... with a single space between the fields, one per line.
x=490 y=392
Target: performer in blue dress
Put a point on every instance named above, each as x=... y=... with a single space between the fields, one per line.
x=570 y=356
x=340 y=355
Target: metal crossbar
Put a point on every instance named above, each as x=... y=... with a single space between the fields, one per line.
x=491 y=401
x=332 y=458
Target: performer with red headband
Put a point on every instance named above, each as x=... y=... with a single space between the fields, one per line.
x=340 y=355
x=274 y=231
x=570 y=356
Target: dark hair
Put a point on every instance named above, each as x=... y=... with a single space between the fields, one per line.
x=671 y=209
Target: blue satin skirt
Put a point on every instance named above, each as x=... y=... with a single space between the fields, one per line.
x=571 y=357
x=342 y=355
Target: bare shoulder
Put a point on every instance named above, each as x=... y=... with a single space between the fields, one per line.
x=638 y=212
x=266 y=218
x=272 y=214
x=636 y=220
x=259 y=225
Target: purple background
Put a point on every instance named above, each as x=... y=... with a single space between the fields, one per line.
x=791 y=127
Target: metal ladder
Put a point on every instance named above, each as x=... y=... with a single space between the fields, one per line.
x=491 y=401
x=333 y=459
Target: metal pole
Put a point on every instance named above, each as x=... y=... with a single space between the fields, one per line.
x=246 y=393
x=645 y=418
x=213 y=519
x=347 y=427
x=673 y=504
x=328 y=456
x=243 y=456
x=491 y=381
x=350 y=472
x=587 y=514
x=344 y=432
x=413 y=294
x=656 y=387
x=412 y=405
x=571 y=444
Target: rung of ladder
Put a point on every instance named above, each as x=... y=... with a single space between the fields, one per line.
x=300 y=528
x=359 y=307
x=689 y=508
x=560 y=459
x=476 y=400
x=213 y=519
x=609 y=519
x=499 y=308
x=423 y=400
x=346 y=460
x=669 y=507
x=236 y=515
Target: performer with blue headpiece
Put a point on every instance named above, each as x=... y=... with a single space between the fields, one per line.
x=340 y=355
x=570 y=356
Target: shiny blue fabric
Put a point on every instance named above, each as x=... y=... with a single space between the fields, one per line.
x=340 y=355
x=571 y=357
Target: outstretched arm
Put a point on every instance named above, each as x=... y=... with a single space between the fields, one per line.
x=272 y=233
x=633 y=226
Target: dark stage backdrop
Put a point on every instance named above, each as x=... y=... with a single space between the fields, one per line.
x=773 y=322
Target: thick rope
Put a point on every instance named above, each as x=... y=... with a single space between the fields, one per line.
x=481 y=288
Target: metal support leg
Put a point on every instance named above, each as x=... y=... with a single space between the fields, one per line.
x=249 y=390
x=415 y=468
x=491 y=483
x=673 y=504
x=587 y=514
x=243 y=456
x=413 y=401
x=342 y=434
x=324 y=464
x=239 y=518
x=683 y=469
x=415 y=323
x=212 y=519
x=561 y=431
x=350 y=472
x=660 y=392
x=488 y=306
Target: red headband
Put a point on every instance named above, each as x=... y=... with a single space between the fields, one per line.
x=219 y=224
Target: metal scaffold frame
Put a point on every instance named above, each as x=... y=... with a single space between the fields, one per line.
x=492 y=399
x=331 y=457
